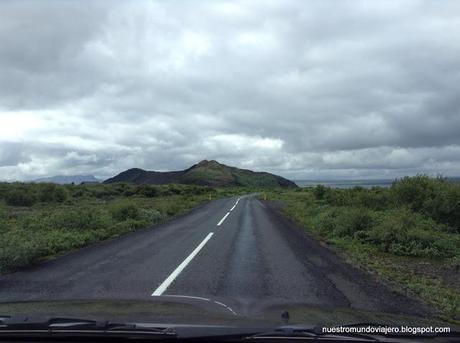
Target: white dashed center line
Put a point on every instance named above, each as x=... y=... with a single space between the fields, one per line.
x=169 y=280
x=222 y=220
x=166 y=283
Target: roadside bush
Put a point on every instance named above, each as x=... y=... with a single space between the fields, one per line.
x=173 y=209
x=70 y=217
x=129 y=225
x=327 y=221
x=402 y=232
x=18 y=250
x=22 y=247
x=413 y=191
x=3 y=214
x=339 y=197
x=4 y=223
x=455 y=262
x=444 y=205
x=415 y=223
x=128 y=192
x=172 y=190
x=345 y=221
x=78 y=193
x=356 y=220
x=78 y=219
x=376 y=198
x=51 y=193
x=147 y=191
x=319 y=191
x=102 y=193
x=124 y=210
x=122 y=189
x=150 y=216
x=435 y=197
x=198 y=190
x=20 y=197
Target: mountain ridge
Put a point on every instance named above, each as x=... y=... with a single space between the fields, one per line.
x=67 y=179
x=205 y=173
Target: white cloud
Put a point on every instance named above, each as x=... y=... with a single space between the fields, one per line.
x=305 y=89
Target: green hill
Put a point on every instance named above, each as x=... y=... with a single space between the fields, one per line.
x=208 y=173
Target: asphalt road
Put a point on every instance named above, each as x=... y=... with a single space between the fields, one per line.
x=227 y=249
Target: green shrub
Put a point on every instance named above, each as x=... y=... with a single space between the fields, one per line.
x=150 y=216
x=148 y=191
x=129 y=192
x=173 y=189
x=413 y=191
x=376 y=198
x=356 y=220
x=435 y=197
x=101 y=193
x=339 y=197
x=402 y=232
x=319 y=191
x=78 y=219
x=20 y=197
x=19 y=249
x=455 y=262
x=344 y=221
x=198 y=190
x=124 y=210
x=327 y=221
x=126 y=226
x=123 y=189
x=399 y=232
x=72 y=216
x=444 y=205
x=52 y=193
x=78 y=193
x=3 y=214
x=173 y=209
x=417 y=218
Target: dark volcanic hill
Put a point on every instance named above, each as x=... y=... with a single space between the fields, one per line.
x=206 y=173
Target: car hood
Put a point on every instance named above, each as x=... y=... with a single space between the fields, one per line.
x=207 y=311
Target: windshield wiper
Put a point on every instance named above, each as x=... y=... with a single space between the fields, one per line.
x=314 y=333
x=308 y=333
x=59 y=326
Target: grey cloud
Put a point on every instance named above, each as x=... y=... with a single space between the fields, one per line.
x=299 y=88
x=41 y=44
x=11 y=154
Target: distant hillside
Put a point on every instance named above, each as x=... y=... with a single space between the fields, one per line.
x=207 y=173
x=67 y=179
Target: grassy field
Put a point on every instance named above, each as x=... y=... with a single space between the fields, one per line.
x=408 y=234
x=42 y=221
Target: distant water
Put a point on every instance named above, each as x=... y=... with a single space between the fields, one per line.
x=356 y=183
x=345 y=183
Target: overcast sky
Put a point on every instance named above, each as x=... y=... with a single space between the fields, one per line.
x=304 y=89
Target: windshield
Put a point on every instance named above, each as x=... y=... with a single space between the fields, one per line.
x=231 y=162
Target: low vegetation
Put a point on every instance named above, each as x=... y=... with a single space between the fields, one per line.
x=41 y=221
x=409 y=233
